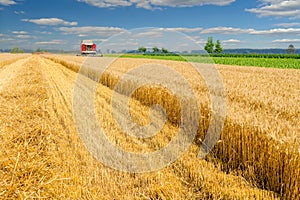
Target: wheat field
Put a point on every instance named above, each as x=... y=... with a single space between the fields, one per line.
x=42 y=155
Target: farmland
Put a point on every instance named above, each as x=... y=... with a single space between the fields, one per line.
x=42 y=155
x=256 y=60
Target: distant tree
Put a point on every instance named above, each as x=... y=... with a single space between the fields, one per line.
x=155 y=50
x=291 y=49
x=164 y=50
x=218 y=48
x=209 y=47
x=21 y=51
x=38 y=50
x=14 y=50
x=142 y=49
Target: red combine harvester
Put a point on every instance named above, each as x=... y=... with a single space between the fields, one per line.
x=88 y=48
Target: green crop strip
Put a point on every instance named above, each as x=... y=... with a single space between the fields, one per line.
x=257 y=60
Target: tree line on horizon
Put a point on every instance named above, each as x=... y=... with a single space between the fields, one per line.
x=17 y=50
x=210 y=48
x=154 y=50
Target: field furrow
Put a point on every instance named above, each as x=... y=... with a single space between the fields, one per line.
x=260 y=140
x=6 y=59
x=42 y=155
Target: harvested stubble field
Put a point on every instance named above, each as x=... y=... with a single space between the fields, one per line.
x=42 y=156
x=7 y=58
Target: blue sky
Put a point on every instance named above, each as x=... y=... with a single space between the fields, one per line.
x=62 y=24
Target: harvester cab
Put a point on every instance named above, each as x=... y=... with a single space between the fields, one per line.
x=88 y=47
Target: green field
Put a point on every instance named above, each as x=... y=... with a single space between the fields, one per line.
x=268 y=61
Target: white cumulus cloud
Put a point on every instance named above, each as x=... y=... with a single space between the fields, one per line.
x=185 y=30
x=277 y=8
x=25 y=37
x=7 y=2
x=19 y=12
x=6 y=39
x=50 y=22
x=238 y=31
x=150 y=34
x=52 y=42
x=286 y=41
x=22 y=35
x=43 y=32
x=231 y=41
x=20 y=32
x=278 y=31
x=226 y=30
x=154 y=4
x=92 y=30
x=82 y=35
x=287 y=25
